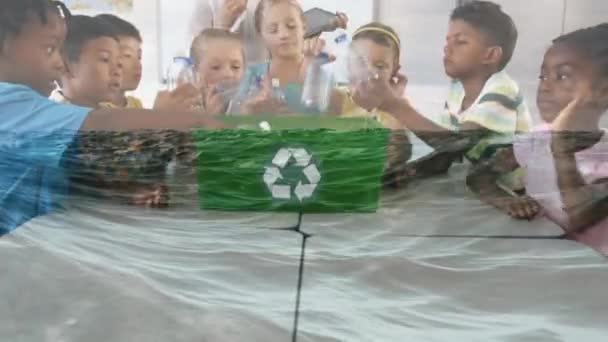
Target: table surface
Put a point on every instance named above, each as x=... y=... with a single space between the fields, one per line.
x=433 y=264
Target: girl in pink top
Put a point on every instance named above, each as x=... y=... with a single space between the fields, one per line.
x=567 y=168
x=565 y=161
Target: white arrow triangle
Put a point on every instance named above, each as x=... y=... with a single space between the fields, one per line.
x=282 y=158
x=271 y=176
x=304 y=191
x=281 y=192
x=312 y=174
x=301 y=156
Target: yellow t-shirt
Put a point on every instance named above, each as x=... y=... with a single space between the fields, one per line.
x=132 y=103
x=351 y=110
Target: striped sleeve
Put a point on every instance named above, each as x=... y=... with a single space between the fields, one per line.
x=496 y=111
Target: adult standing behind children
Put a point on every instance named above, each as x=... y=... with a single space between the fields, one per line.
x=232 y=15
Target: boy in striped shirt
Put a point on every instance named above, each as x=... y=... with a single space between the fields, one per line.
x=485 y=107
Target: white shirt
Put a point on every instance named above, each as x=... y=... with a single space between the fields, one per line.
x=206 y=16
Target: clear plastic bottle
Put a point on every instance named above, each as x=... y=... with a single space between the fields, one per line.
x=276 y=91
x=180 y=72
x=339 y=46
x=318 y=85
x=245 y=92
x=359 y=68
x=226 y=92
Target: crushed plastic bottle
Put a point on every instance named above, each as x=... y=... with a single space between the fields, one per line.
x=181 y=71
x=226 y=91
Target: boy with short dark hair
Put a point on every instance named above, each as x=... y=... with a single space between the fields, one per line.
x=91 y=57
x=112 y=163
x=130 y=41
x=485 y=107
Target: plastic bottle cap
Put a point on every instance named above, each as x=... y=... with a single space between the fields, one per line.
x=322 y=58
x=265 y=126
x=182 y=60
x=341 y=38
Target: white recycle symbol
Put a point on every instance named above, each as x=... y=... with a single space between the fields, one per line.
x=301 y=158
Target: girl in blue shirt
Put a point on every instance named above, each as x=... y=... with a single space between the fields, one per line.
x=282 y=27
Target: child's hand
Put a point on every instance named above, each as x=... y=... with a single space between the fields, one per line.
x=264 y=103
x=185 y=97
x=151 y=196
x=520 y=208
x=399 y=83
x=582 y=113
x=567 y=119
x=340 y=21
x=378 y=92
x=214 y=104
x=313 y=48
x=504 y=160
x=229 y=12
x=574 y=128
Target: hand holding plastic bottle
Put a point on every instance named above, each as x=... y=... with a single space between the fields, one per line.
x=340 y=21
x=229 y=12
x=577 y=125
x=217 y=96
x=585 y=110
x=378 y=92
x=267 y=100
x=313 y=52
x=184 y=97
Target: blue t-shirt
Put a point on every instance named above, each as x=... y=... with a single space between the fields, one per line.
x=34 y=134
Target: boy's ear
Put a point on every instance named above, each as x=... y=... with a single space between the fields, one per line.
x=493 y=55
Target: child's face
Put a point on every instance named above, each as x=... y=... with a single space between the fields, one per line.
x=283 y=31
x=96 y=76
x=33 y=57
x=222 y=61
x=130 y=54
x=379 y=59
x=466 y=50
x=563 y=72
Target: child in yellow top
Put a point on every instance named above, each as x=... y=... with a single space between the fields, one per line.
x=130 y=42
x=375 y=52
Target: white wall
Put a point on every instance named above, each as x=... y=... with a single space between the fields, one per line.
x=421 y=26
